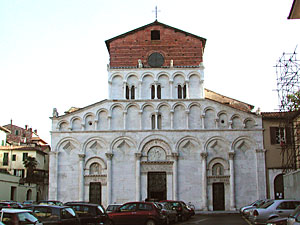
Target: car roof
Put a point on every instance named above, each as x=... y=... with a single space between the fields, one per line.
x=81 y=203
x=6 y=210
x=50 y=206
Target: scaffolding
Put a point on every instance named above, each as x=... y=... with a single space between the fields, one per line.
x=288 y=83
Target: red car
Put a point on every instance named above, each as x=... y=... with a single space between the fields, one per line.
x=137 y=213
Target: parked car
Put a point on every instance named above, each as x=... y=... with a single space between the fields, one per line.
x=89 y=213
x=169 y=211
x=253 y=204
x=112 y=207
x=18 y=216
x=137 y=213
x=273 y=209
x=277 y=221
x=247 y=211
x=10 y=204
x=182 y=211
x=28 y=202
x=294 y=218
x=50 y=202
x=54 y=214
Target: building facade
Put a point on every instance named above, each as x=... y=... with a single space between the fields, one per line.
x=160 y=134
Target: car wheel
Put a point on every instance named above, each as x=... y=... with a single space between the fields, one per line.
x=150 y=222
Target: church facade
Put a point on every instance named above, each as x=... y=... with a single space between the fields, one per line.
x=160 y=134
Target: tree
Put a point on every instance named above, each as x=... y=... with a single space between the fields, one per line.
x=30 y=164
x=293 y=101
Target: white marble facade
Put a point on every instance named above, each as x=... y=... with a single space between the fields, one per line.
x=195 y=141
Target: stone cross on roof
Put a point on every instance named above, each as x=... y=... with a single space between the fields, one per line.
x=156 y=11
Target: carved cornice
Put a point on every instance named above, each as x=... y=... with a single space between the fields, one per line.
x=157 y=162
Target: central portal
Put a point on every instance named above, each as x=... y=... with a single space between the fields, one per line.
x=157 y=186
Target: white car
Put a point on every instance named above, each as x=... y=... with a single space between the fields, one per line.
x=18 y=217
x=294 y=218
x=273 y=209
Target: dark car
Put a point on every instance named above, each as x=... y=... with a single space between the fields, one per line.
x=10 y=204
x=137 y=213
x=53 y=214
x=169 y=211
x=89 y=213
x=50 y=202
x=112 y=207
x=181 y=208
x=12 y=216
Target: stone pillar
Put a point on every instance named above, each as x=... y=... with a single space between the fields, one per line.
x=138 y=176
x=172 y=118
x=187 y=89
x=81 y=177
x=109 y=157
x=232 y=183
x=175 y=176
x=53 y=175
x=124 y=120
x=140 y=90
x=124 y=89
x=171 y=89
x=187 y=112
x=204 y=181
x=261 y=173
x=202 y=121
x=140 y=118
x=109 y=122
x=109 y=90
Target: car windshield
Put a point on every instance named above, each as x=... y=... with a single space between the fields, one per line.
x=101 y=209
x=26 y=216
x=112 y=207
x=71 y=211
x=266 y=204
x=296 y=211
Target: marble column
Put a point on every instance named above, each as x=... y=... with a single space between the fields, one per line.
x=202 y=121
x=109 y=157
x=53 y=175
x=140 y=119
x=124 y=89
x=171 y=89
x=140 y=90
x=172 y=118
x=81 y=177
x=187 y=89
x=138 y=176
x=204 y=181
x=187 y=112
x=232 y=183
x=125 y=120
x=175 y=176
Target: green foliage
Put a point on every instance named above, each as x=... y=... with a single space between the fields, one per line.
x=30 y=164
x=293 y=101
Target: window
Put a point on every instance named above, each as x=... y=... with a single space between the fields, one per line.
x=145 y=207
x=152 y=91
x=153 y=122
x=5 y=159
x=132 y=92
x=128 y=207
x=155 y=35
x=16 y=132
x=279 y=135
x=159 y=121
x=158 y=91
x=19 y=172
x=2 y=143
x=25 y=156
x=127 y=92
x=14 y=157
x=181 y=91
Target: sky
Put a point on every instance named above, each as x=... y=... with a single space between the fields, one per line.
x=53 y=52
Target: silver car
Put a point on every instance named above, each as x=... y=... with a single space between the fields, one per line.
x=273 y=209
x=294 y=218
x=246 y=210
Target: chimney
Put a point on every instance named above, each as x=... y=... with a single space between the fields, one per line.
x=35 y=131
x=26 y=126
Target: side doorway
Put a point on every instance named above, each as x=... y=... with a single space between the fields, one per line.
x=279 y=187
x=218 y=196
x=95 y=192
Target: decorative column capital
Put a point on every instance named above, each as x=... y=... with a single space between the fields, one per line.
x=109 y=155
x=175 y=155
x=204 y=155
x=53 y=153
x=81 y=156
x=261 y=150
x=138 y=155
x=231 y=155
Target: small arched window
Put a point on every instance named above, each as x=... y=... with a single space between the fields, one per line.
x=158 y=121
x=127 y=92
x=179 y=92
x=132 y=90
x=158 y=91
x=152 y=91
x=153 y=122
x=184 y=91
x=218 y=170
